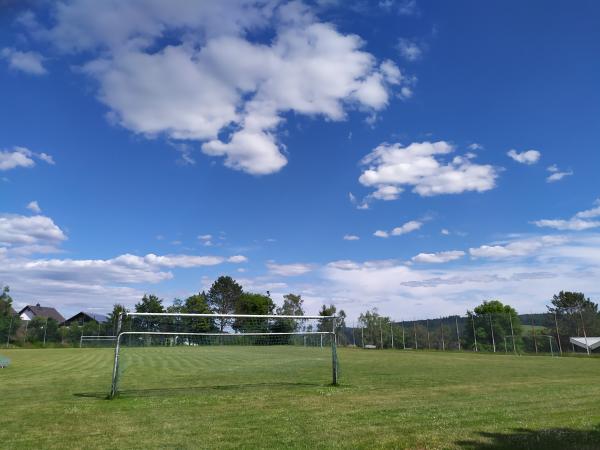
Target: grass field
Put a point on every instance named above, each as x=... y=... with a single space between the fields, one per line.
x=279 y=397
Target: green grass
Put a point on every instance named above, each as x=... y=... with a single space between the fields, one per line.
x=279 y=397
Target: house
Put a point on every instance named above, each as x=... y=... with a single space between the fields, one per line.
x=83 y=317
x=30 y=312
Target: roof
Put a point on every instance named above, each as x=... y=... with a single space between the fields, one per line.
x=586 y=342
x=43 y=311
x=87 y=316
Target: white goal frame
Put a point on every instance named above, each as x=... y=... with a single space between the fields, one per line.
x=95 y=338
x=120 y=334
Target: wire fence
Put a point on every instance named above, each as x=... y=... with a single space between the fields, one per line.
x=542 y=334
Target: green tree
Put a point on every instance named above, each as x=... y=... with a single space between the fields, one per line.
x=198 y=304
x=340 y=323
x=575 y=314
x=9 y=322
x=41 y=328
x=113 y=319
x=249 y=303
x=292 y=306
x=222 y=298
x=148 y=304
x=492 y=324
x=375 y=328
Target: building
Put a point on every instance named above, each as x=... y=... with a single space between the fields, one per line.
x=30 y=312
x=83 y=317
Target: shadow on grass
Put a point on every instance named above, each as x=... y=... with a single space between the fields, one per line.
x=173 y=391
x=552 y=438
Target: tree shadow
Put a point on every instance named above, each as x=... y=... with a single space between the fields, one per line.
x=524 y=439
x=174 y=391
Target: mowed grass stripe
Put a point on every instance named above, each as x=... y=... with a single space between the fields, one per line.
x=278 y=397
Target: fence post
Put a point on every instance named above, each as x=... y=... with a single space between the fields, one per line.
x=584 y=333
x=381 y=332
x=457 y=333
x=557 y=334
x=392 y=332
x=334 y=361
x=533 y=332
x=428 y=341
x=512 y=333
x=115 y=377
x=362 y=337
x=9 y=331
x=492 y=328
x=442 y=330
x=415 y=328
x=474 y=333
x=403 y=341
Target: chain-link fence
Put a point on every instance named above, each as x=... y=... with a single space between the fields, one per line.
x=544 y=334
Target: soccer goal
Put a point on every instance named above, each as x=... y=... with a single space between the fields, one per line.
x=97 y=341
x=155 y=350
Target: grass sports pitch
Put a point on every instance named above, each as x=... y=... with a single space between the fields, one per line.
x=280 y=397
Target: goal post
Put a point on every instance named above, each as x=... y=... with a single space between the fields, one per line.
x=165 y=331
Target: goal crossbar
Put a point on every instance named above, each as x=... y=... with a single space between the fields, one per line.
x=228 y=316
x=119 y=334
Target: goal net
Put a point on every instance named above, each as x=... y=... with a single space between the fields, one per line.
x=97 y=341
x=184 y=351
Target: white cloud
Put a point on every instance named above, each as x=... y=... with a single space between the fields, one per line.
x=579 y=222
x=475 y=146
x=237 y=259
x=213 y=82
x=421 y=166
x=381 y=234
x=288 y=270
x=351 y=237
x=440 y=257
x=21 y=157
x=18 y=230
x=527 y=157
x=556 y=174
x=408 y=227
x=445 y=232
x=410 y=49
x=516 y=248
x=28 y=62
x=34 y=207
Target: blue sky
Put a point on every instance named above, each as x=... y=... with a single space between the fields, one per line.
x=417 y=157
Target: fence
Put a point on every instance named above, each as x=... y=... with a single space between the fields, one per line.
x=497 y=333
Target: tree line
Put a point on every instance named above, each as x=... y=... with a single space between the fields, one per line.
x=225 y=296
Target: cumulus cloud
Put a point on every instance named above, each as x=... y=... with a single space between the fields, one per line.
x=34 y=207
x=29 y=230
x=440 y=257
x=579 y=222
x=351 y=237
x=422 y=165
x=527 y=157
x=28 y=62
x=288 y=270
x=407 y=227
x=21 y=157
x=516 y=248
x=211 y=81
x=556 y=174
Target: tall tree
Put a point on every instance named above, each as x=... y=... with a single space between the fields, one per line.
x=222 y=298
x=9 y=322
x=492 y=324
x=326 y=325
x=574 y=314
x=249 y=303
x=198 y=304
x=113 y=318
x=149 y=304
x=292 y=306
x=375 y=328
